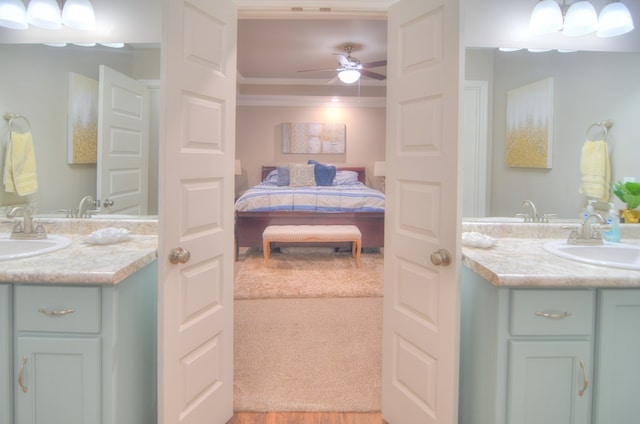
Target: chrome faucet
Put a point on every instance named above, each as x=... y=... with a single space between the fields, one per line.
x=87 y=207
x=534 y=211
x=589 y=232
x=25 y=230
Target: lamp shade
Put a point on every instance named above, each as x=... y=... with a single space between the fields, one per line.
x=615 y=19
x=13 y=14
x=79 y=14
x=546 y=17
x=581 y=19
x=238 y=167
x=44 y=14
x=349 y=76
x=379 y=169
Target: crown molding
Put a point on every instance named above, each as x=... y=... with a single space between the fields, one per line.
x=310 y=101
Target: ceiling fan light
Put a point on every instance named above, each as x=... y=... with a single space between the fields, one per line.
x=581 y=19
x=546 y=17
x=615 y=19
x=13 y=14
x=349 y=76
x=44 y=14
x=79 y=14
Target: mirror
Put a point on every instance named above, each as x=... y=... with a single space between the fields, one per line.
x=33 y=80
x=589 y=87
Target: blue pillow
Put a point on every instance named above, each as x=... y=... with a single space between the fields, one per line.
x=283 y=175
x=324 y=174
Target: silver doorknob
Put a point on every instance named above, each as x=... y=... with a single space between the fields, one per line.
x=107 y=203
x=441 y=257
x=178 y=255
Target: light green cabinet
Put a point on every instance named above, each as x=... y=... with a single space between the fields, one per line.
x=6 y=355
x=526 y=354
x=618 y=352
x=84 y=354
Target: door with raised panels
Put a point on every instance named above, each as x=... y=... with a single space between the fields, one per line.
x=422 y=289
x=196 y=258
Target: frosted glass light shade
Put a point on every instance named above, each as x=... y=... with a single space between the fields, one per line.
x=79 y=14
x=615 y=19
x=349 y=76
x=13 y=14
x=581 y=19
x=546 y=17
x=44 y=14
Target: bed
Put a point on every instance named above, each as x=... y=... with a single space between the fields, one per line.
x=262 y=205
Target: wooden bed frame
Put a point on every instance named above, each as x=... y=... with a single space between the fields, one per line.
x=250 y=225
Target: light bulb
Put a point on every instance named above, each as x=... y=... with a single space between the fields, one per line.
x=13 y=14
x=581 y=19
x=78 y=14
x=546 y=17
x=615 y=19
x=44 y=14
x=349 y=76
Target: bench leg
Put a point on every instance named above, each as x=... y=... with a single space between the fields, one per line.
x=266 y=248
x=356 y=249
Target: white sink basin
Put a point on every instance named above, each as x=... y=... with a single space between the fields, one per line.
x=615 y=255
x=16 y=249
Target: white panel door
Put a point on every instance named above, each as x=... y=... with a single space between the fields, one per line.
x=123 y=144
x=421 y=299
x=196 y=212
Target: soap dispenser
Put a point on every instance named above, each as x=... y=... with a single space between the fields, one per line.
x=589 y=210
x=613 y=234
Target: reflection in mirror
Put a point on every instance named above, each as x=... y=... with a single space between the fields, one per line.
x=589 y=87
x=33 y=83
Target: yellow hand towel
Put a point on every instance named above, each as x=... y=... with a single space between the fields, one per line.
x=596 y=170
x=20 y=165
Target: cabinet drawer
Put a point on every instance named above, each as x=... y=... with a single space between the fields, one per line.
x=552 y=312
x=57 y=309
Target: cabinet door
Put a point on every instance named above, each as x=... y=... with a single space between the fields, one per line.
x=616 y=397
x=59 y=380
x=547 y=381
x=6 y=370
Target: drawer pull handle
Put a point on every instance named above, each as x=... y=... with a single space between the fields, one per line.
x=56 y=313
x=553 y=316
x=585 y=379
x=20 y=373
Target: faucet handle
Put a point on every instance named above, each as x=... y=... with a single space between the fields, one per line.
x=547 y=216
x=524 y=216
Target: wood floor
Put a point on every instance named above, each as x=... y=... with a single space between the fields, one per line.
x=307 y=418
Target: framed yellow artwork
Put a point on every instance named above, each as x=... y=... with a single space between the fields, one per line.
x=529 y=141
x=82 y=119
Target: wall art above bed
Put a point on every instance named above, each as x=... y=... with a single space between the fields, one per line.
x=313 y=137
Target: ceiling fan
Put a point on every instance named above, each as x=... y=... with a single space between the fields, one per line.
x=350 y=69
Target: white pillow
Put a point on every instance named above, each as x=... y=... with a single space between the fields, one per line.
x=346 y=178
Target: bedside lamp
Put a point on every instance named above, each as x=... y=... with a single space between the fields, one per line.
x=241 y=179
x=238 y=167
x=379 y=171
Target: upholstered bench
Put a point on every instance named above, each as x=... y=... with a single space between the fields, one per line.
x=312 y=233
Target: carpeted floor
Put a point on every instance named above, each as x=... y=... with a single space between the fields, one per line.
x=298 y=273
x=308 y=333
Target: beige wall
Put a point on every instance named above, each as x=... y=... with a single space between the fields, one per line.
x=259 y=136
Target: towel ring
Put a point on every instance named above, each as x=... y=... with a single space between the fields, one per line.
x=605 y=125
x=10 y=117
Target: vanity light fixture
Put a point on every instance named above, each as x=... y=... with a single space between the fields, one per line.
x=349 y=76
x=580 y=18
x=76 y=14
x=13 y=14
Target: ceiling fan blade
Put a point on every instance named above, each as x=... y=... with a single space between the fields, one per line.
x=373 y=75
x=375 y=64
x=318 y=70
x=332 y=80
x=343 y=60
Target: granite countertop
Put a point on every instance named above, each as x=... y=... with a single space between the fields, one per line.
x=84 y=263
x=518 y=258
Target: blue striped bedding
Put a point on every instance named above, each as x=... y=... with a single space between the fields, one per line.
x=268 y=197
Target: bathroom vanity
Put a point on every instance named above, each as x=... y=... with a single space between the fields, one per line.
x=78 y=332
x=546 y=339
